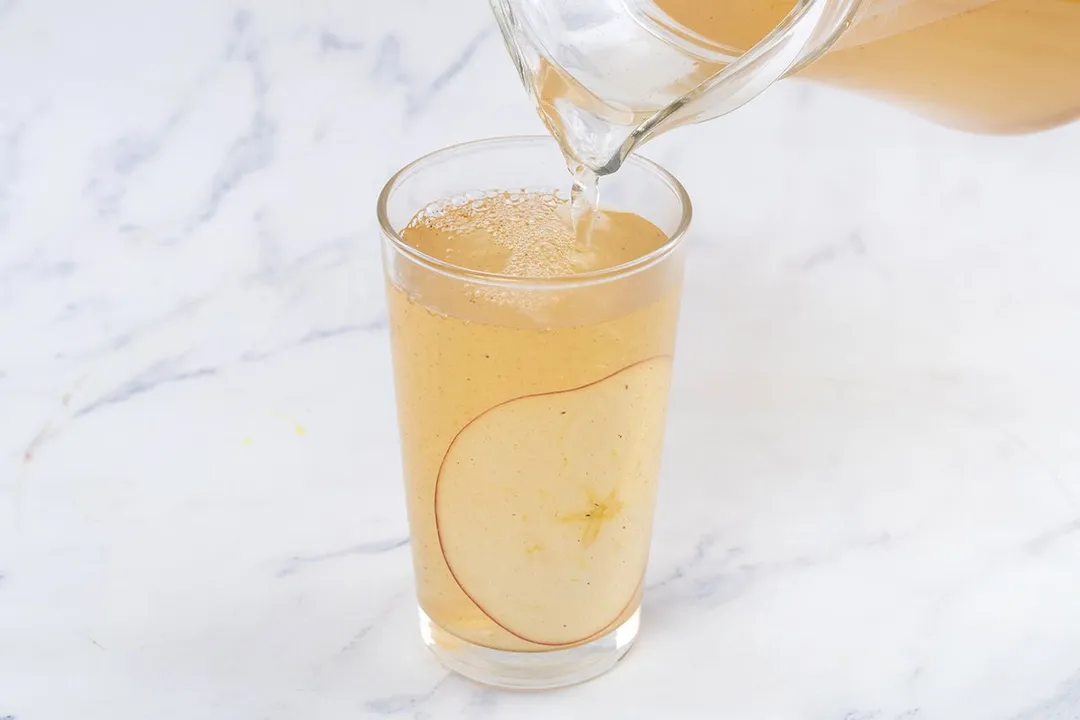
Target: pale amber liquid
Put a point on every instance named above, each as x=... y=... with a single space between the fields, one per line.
x=462 y=349
x=1003 y=66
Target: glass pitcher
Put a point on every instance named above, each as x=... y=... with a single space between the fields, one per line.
x=607 y=75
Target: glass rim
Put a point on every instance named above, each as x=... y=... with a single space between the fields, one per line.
x=642 y=262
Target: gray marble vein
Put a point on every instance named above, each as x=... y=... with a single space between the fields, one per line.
x=117 y=164
x=299 y=562
x=372 y=622
x=254 y=150
x=388 y=67
x=9 y=164
x=1063 y=705
x=414 y=703
x=332 y=42
x=1052 y=536
x=422 y=96
x=713 y=576
x=854 y=246
x=163 y=372
x=315 y=335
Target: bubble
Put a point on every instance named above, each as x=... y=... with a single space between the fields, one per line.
x=520 y=233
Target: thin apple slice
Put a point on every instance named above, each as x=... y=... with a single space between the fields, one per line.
x=544 y=504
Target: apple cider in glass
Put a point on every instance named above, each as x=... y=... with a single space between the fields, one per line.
x=532 y=371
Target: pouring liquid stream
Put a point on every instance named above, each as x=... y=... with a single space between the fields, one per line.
x=584 y=208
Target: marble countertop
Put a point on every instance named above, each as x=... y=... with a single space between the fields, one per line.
x=870 y=506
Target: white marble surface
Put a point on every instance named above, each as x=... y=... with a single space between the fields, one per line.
x=871 y=498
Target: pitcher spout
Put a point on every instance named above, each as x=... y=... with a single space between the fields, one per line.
x=608 y=75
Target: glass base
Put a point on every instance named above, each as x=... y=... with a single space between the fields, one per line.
x=530 y=670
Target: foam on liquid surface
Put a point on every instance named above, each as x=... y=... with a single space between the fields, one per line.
x=527 y=234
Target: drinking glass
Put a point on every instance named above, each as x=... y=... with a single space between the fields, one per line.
x=531 y=414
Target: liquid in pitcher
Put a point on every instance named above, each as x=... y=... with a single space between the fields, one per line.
x=1002 y=66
